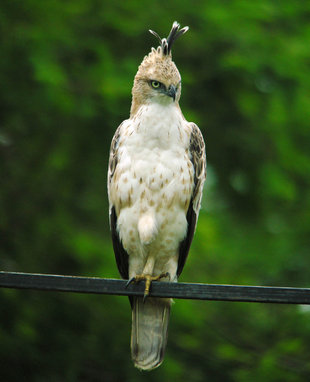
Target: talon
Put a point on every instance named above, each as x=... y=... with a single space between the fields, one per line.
x=167 y=274
x=148 y=281
x=144 y=297
x=130 y=281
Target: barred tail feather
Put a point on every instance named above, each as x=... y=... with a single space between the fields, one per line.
x=149 y=334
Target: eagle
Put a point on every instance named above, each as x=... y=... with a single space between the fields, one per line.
x=157 y=169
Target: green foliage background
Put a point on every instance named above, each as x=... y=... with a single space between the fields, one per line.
x=66 y=71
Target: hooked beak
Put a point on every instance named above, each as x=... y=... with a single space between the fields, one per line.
x=171 y=92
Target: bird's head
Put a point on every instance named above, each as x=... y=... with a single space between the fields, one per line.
x=158 y=79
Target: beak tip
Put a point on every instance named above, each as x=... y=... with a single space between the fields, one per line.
x=172 y=92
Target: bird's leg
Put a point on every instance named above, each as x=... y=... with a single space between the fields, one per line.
x=148 y=281
x=146 y=275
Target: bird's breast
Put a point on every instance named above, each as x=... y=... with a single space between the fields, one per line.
x=153 y=178
x=154 y=168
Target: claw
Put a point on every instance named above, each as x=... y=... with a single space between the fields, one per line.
x=144 y=297
x=166 y=274
x=130 y=281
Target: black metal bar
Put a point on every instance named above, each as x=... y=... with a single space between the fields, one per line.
x=97 y=285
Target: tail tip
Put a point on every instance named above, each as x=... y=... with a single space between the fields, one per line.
x=148 y=364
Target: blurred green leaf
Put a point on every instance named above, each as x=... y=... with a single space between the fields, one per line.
x=66 y=72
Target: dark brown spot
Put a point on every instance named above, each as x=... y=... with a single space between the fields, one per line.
x=159 y=206
x=171 y=202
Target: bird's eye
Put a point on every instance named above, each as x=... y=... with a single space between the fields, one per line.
x=155 y=84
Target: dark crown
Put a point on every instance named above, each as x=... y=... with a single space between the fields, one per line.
x=166 y=43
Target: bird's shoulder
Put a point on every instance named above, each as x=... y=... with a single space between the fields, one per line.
x=196 y=142
x=197 y=154
x=117 y=138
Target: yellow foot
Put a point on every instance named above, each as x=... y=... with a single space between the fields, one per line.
x=148 y=280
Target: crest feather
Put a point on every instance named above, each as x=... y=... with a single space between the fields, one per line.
x=175 y=33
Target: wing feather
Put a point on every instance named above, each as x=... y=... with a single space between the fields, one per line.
x=197 y=155
x=121 y=256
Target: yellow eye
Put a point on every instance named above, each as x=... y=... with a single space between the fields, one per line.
x=155 y=84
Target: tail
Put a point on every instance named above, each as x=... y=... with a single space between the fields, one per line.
x=149 y=333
